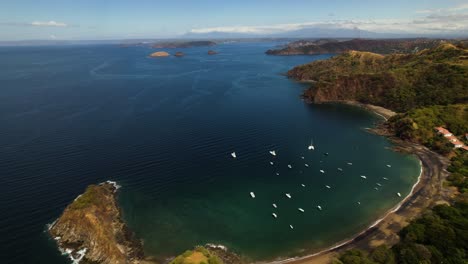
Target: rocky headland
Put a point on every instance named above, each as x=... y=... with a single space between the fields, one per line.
x=91 y=229
x=398 y=81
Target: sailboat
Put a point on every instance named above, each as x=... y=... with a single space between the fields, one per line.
x=274 y=215
x=275 y=206
x=233 y=154
x=252 y=194
x=300 y=209
x=319 y=207
x=272 y=152
x=288 y=195
x=291 y=226
x=311 y=146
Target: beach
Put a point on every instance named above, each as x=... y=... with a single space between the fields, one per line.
x=426 y=192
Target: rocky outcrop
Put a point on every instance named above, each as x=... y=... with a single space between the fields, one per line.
x=159 y=54
x=91 y=228
x=179 y=54
x=212 y=52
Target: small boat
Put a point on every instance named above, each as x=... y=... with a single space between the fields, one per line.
x=289 y=166
x=322 y=171
x=376 y=188
x=302 y=157
x=290 y=226
x=288 y=195
x=272 y=152
x=274 y=205
x=277 y=173
x=300 y=209
x=233 y=154
x=307 y=165
x=399 y=194
x=311 y=146
x=340 y=169
x=303 y=185
x=252 y=194
x=359 y=203
x=378 y=184
x=388 y=165
x=328 y=187
x=385 y=178
x=326 y=153
x=350 y=163
x=364 y=177
x=271 y=162
x=319 y=207
x=274 y=215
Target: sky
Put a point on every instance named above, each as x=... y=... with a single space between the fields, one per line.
x=132 y=19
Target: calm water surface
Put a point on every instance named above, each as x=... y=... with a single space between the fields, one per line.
x=164 y=129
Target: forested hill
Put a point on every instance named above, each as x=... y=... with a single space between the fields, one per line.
x=437 y=76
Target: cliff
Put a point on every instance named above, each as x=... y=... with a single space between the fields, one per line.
x=398 y=82
x=380 y=46
x=91 y=229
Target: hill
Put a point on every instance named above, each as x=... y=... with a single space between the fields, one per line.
x=381 y=46
x=400 y=82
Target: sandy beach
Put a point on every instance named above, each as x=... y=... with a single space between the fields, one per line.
x=427 y=192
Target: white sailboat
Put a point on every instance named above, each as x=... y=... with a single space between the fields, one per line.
x=340 y=169
x=364 y=177
x=303 y=185
x=272 y=152
x=274 y=205
x=288 y=195
x=385 y=178
x=388 y=165
x=319 y=207
x=271 y=162
x=350 y=163
x=322 y=171
x=252 y=194
x=274 y=215
x=311 y=146
x=233 y=154
x=307 y=165
x=291 y=226
x=289 y=166
x=328 y=186
x=300 y=209
x=399 y=194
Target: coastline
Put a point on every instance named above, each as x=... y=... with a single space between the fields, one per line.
x=426 y=192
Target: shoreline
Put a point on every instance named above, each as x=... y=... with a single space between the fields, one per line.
x=426 y=192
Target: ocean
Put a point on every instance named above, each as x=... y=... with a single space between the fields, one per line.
x=164 y=128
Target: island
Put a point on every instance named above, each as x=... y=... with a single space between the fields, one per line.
x=159 y=54
x=183 y=44
x=380 y=46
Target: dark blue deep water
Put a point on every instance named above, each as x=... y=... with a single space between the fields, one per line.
x=163 y=128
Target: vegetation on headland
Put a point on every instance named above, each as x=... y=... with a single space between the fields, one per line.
x=399 y=82
x=380 y=46
x=430 y=89
x=199 y=255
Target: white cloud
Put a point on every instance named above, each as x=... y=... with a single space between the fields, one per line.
x=429 y=24
x=48 y=24
x=457 y=8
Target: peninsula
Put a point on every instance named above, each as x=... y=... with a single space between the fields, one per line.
x=380 y=46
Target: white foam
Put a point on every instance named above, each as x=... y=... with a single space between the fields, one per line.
x=217 y=246
x=113 y=183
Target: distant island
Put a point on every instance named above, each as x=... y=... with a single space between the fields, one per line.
x=160 y=54
x=380 y=46
x=175 y=44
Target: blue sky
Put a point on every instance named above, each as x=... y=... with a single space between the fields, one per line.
x=103 y=19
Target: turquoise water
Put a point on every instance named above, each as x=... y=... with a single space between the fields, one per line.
x=164 y=129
